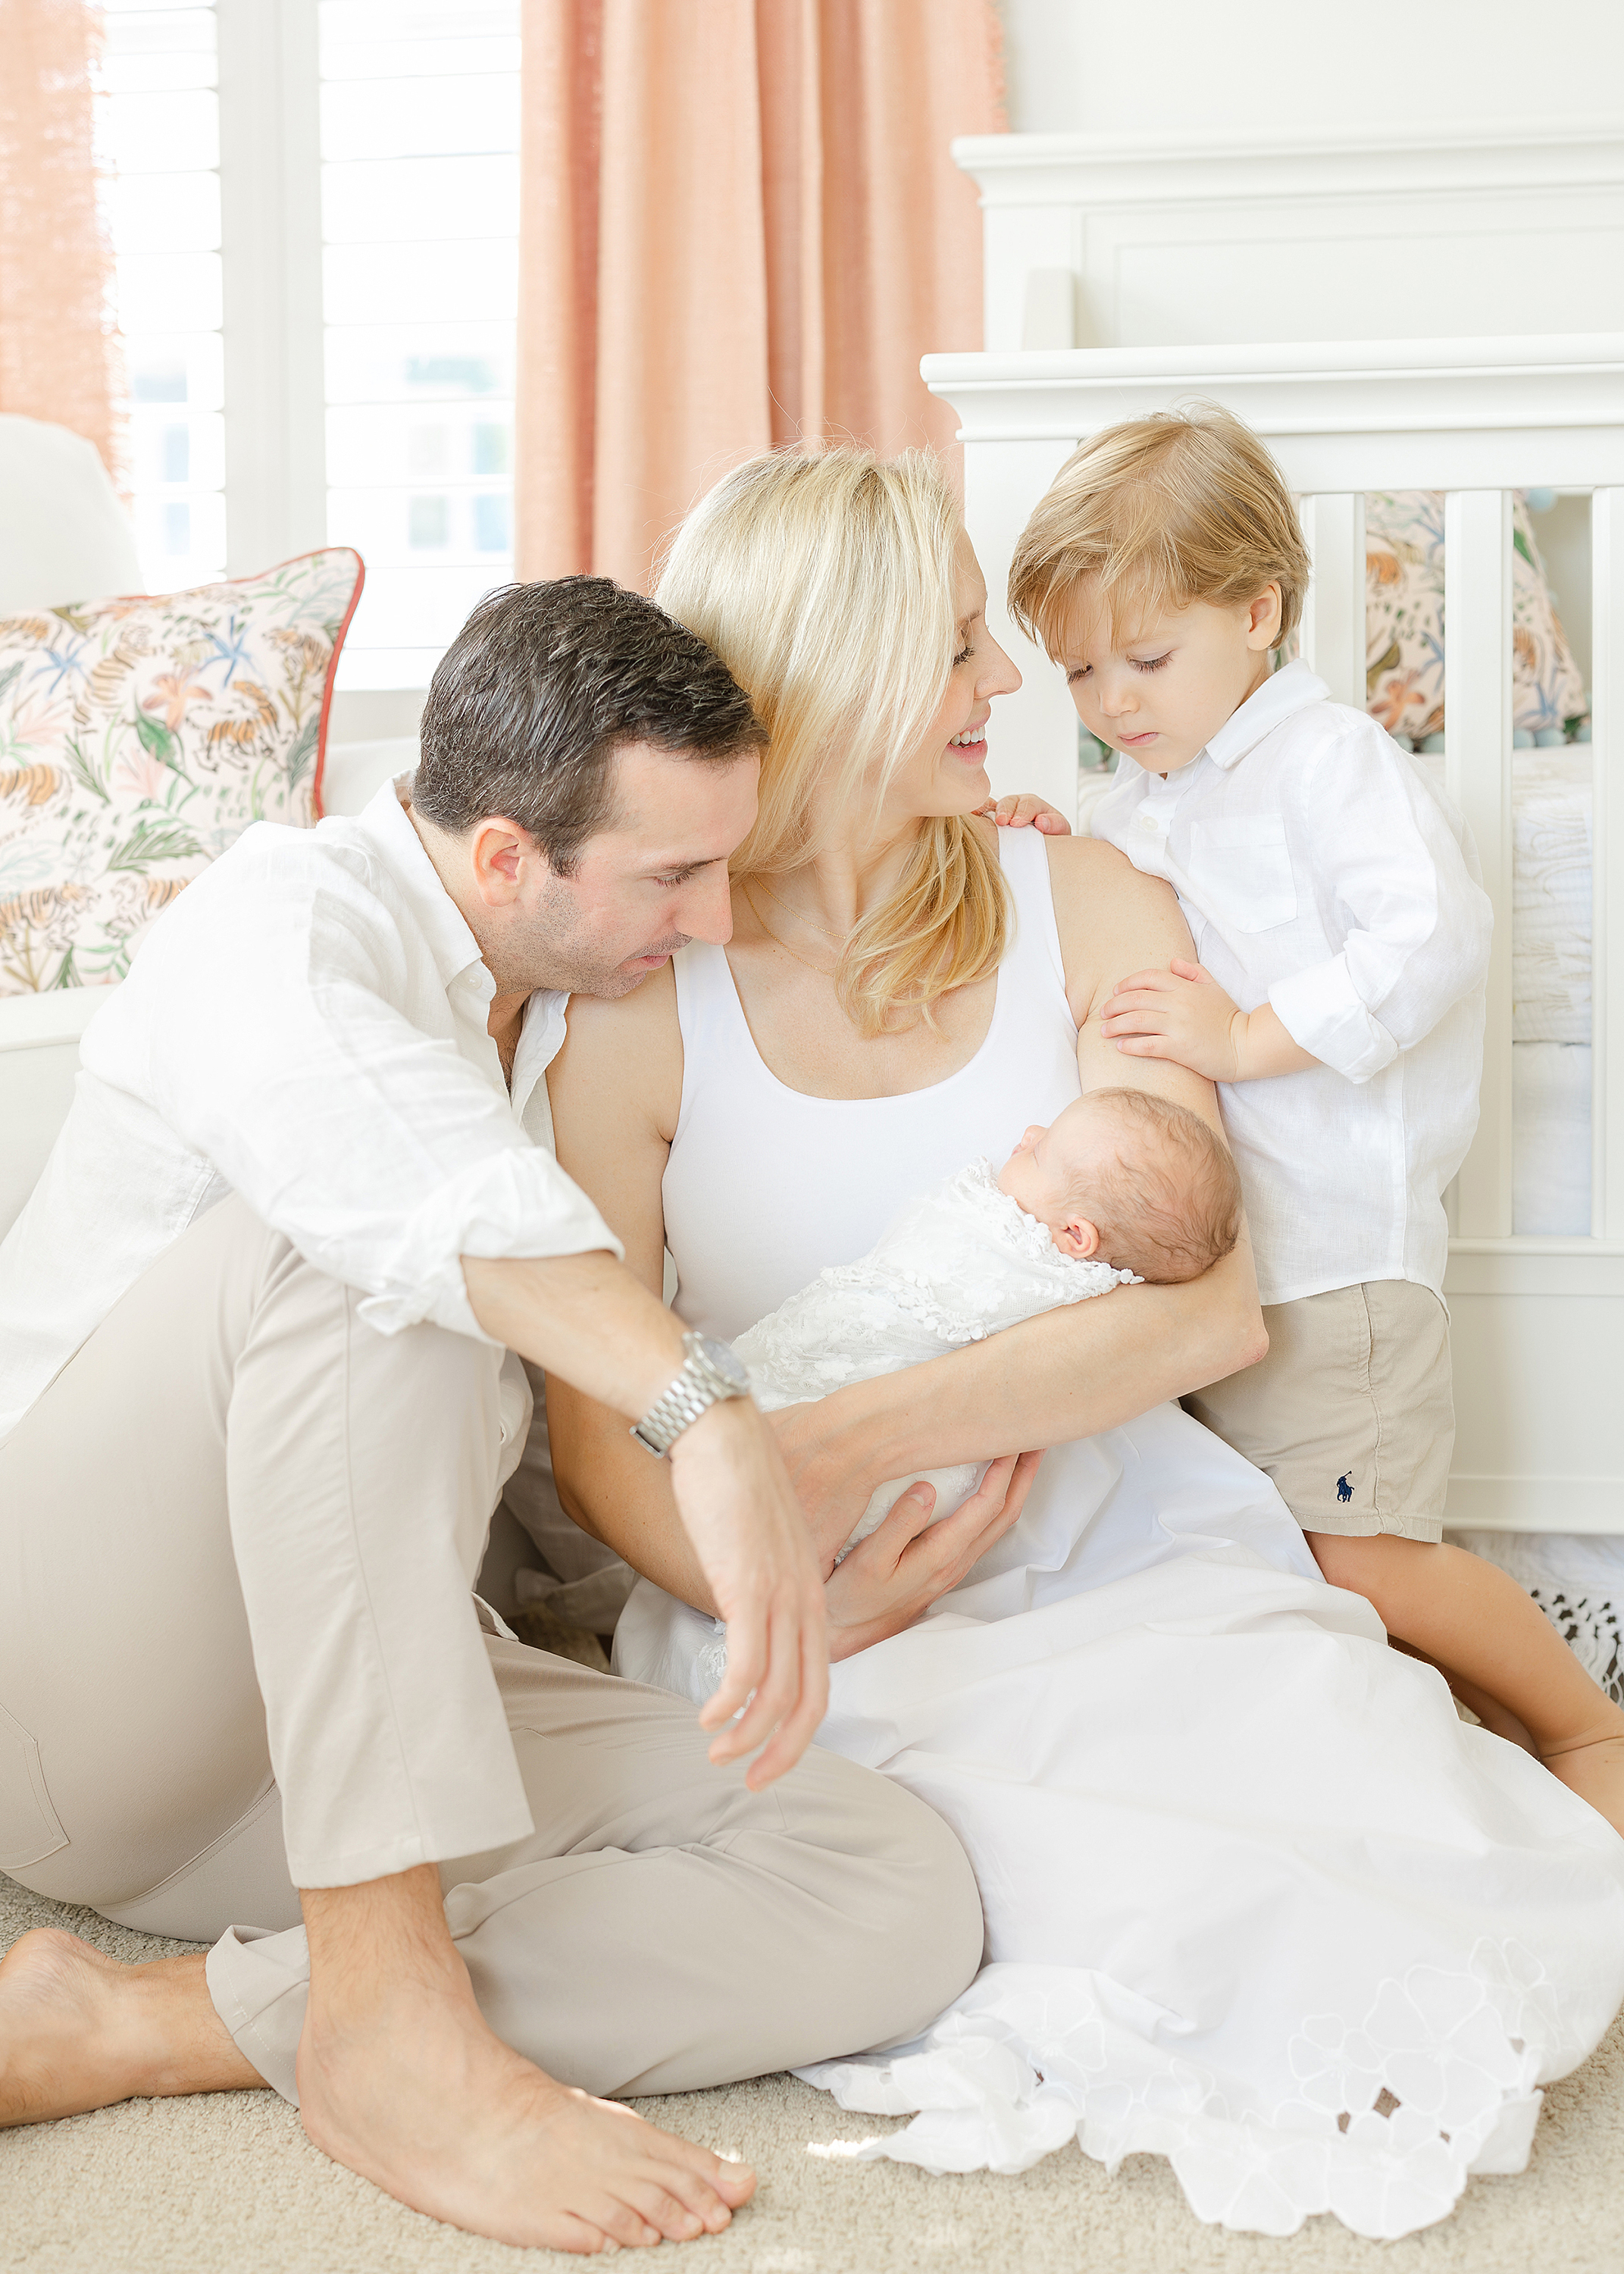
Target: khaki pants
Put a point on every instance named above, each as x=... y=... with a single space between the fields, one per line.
x=238 y=1654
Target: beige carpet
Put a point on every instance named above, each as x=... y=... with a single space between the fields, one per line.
x=229 y=2183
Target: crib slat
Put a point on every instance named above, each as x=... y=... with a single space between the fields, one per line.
x=1607 y=867
x=1334 y=612
x=1477 y=730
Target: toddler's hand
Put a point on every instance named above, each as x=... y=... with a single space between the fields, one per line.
x=1180 y=1013
x=1018 y=812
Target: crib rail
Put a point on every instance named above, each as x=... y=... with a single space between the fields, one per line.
x=1475 y=418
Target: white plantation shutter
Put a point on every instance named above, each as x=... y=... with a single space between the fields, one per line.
x=334 y=364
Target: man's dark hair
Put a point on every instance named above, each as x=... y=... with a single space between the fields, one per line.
x=543 y=686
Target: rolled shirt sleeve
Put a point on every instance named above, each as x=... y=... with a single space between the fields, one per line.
x=1416 y=920
x=290 y=1041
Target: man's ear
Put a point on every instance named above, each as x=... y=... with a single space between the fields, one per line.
x=1079 y=1239
x=1263 y=629
x=497 y=850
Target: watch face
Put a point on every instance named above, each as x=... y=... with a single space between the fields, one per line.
x=725 y=1361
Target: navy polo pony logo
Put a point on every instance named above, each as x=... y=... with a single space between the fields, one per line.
x=1344 y=1487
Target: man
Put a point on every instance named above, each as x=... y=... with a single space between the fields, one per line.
x=259 y=1393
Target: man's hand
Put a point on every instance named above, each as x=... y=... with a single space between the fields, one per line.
x=1182 y=1013
x=590 y=1323
x=739 y=1511
x=1026 y=811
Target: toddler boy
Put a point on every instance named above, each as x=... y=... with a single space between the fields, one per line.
x=1343 y=934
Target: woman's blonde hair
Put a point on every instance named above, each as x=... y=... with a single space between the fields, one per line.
x=1158 y=512
x=824 y=579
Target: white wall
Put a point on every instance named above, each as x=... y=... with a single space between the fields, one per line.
x=1113 y=66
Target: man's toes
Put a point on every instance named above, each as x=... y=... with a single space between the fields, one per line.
x=576 y=2234
x=677 y=2221
x=695 y=2192
x=734 y=2182
x=620 y=2221
x=699 y=2193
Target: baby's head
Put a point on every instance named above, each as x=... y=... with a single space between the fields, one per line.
x=1161 y=570
x=1131 y=1179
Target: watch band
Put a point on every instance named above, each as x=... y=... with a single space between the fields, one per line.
x=700 y=1385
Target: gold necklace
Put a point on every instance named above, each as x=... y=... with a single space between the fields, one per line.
x=784 y=944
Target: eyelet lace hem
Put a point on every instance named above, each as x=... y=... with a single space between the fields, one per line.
x=1031 y=2057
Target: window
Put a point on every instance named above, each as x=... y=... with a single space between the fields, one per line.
x=161 y=128
x=373 y=322
x=420 y=207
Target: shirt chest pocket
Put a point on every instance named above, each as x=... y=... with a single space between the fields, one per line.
x=1241 y=868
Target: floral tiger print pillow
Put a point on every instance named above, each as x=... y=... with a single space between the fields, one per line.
x=138 y=738
x=1404 y=622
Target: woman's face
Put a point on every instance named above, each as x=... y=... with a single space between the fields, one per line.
x=947 y=771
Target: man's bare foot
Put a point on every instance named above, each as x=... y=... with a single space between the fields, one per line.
x=430 y=2106
x=78 y=2030
x=1594 y=1768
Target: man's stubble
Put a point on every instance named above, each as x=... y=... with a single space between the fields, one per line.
x=552 y=946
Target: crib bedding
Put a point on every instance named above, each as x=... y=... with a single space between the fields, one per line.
x=1551 y=1139
x=1551 y=800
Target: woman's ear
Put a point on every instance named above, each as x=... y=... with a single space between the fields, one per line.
x=1079 y=1239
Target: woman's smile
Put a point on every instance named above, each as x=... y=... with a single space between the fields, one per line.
x=970 y=747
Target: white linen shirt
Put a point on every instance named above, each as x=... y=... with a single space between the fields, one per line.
x=1321 y=871
x=305 y=1026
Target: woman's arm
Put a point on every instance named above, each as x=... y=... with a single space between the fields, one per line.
x=615 y=1090
x=1073 y=1371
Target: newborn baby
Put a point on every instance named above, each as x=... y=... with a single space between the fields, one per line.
x=1120 y=1186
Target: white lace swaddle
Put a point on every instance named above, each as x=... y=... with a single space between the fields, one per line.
x=963 y=1262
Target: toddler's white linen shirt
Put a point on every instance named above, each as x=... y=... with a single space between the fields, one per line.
x=1321 y=871
x=305 y=1026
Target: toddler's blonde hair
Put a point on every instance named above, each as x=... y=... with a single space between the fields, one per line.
x=824 y=578
x=1157 y=513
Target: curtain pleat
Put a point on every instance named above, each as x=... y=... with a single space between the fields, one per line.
x=58 y=349
x=560 y=130
x=741 y=225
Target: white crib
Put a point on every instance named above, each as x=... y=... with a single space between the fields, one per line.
x=1538 y=1322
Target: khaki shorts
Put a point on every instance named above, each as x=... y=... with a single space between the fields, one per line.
x=1350 y=1414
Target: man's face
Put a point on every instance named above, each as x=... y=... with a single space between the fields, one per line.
x=653 y=879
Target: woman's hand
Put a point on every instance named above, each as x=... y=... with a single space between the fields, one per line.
x=1026 y=811
x=907 y=1562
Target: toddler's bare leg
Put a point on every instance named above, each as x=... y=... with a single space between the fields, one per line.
x=1475 y=1622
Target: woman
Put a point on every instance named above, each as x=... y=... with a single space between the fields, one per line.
x=1242 y=1868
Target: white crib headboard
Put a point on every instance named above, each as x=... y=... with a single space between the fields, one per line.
x=1152 y=239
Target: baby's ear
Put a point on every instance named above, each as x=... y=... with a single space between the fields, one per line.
x=1079 y=1239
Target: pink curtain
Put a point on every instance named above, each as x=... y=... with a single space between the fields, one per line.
x=741 y=223
x=57 y=345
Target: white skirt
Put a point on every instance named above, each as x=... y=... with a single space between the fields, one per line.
x=1257 y=1899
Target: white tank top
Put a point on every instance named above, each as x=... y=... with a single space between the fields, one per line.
x=765 y=1185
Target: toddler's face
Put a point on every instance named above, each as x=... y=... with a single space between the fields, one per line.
x=1161 y=694
x=1049 y=1174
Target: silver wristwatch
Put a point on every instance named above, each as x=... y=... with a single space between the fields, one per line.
x=710 y=1374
